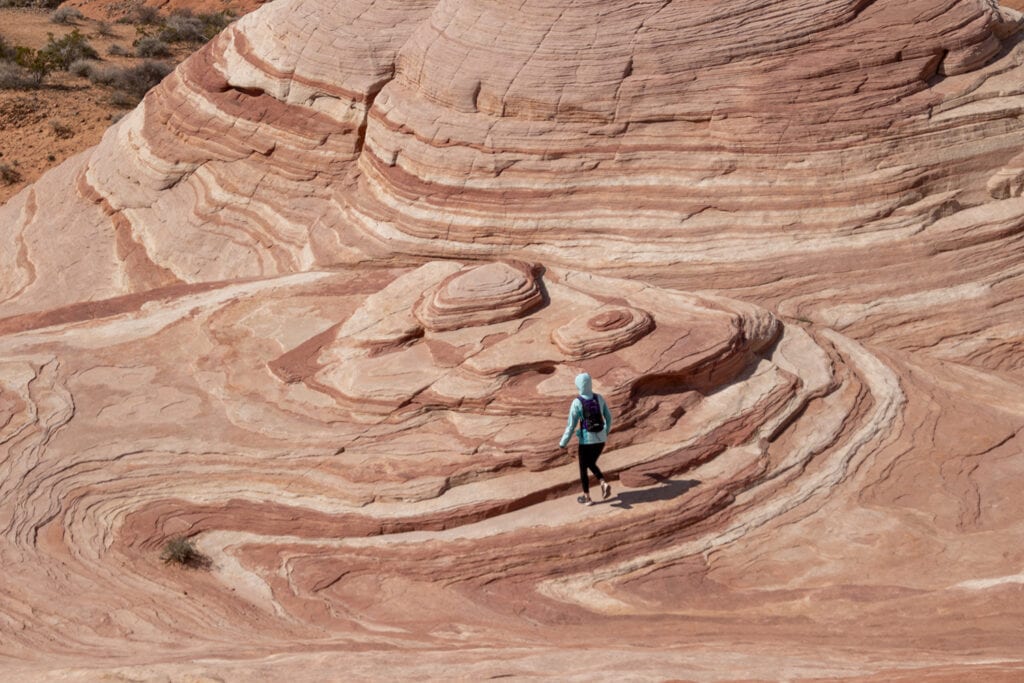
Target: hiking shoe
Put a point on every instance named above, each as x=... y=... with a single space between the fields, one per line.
x=606 y=489
x=584 y=500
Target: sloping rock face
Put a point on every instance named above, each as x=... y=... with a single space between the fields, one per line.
x=318 y=303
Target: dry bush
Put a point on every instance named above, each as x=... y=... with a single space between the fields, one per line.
x=141 y=14
x=184 y=27
x=66 y=15
x=7 y=51
x=129 y=83
x=9 y=175
x=182 y=551
x=151 y=46
x=81 y=67
x=42 y=4
x=14 y=77
x=61 y=130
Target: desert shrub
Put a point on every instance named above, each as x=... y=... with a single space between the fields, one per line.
x=143 y=14
x=81 y=67
x=129 y=83
x=9 y=175
x=14 y=77
x=36 y=65
x=118 y=50
x=104 y=29
x=103 y=74
x=66 y=15
x=119 y=98
x=182 y=28
x=181 y=550
x=151 y=46
x=43 y=4
x=7 y=51
x=137 y=80
x=67 y=49
x=185 y=27
x=61 y=130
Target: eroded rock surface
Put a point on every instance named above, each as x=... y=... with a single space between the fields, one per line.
x=318 y=303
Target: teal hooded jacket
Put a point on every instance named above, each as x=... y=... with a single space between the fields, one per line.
x=583 y=384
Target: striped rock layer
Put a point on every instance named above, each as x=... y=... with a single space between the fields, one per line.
x=317 y=304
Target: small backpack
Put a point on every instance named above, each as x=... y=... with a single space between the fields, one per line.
x=593 y=420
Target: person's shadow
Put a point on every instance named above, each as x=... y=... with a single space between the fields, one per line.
x=667 y=490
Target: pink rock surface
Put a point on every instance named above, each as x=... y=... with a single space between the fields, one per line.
x=318 y=303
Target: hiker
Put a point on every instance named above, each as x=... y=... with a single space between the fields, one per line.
x=590 y=413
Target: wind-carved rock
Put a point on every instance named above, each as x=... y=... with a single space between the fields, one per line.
x=292 y=306
x=480 y=295
x=603 y=331
x=503 y=339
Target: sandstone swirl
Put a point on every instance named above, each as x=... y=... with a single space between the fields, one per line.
x=318 y=303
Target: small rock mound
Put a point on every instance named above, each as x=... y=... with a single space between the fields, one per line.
x=481 y=295
x=602 y=332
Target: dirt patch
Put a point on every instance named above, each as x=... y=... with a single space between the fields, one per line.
x=40 y=128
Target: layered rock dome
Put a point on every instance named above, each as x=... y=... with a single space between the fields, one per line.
x=317 y=303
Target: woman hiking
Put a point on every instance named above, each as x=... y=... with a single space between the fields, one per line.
x=590 y=414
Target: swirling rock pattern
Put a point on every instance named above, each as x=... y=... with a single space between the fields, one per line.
x=481 y=295
x=602 y=332
x=318 y=301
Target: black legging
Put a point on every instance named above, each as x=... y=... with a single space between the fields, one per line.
x=588 y=461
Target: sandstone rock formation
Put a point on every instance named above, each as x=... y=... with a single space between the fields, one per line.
x=318 y=302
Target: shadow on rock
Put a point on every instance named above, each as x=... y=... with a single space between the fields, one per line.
x=667 y=490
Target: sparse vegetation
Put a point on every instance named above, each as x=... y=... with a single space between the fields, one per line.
x=42 y=4
x=66 y=15
x=33 y=71
x=129 y=83
x=182 y=551
x=67 y=49
x=61 y=130
x=15 y=77
x=184 y=27
x=81 y=67
x=151 y=46
x=7 y=52
x=141 y=14
x=9 y=175
x=36 y=64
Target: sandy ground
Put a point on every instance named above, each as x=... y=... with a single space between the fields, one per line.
x=41 y=128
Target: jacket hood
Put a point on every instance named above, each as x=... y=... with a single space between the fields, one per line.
x=583 y=385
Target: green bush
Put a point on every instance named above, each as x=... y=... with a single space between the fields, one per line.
x=36 y=63
x=118 y=50
x=63 y=51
